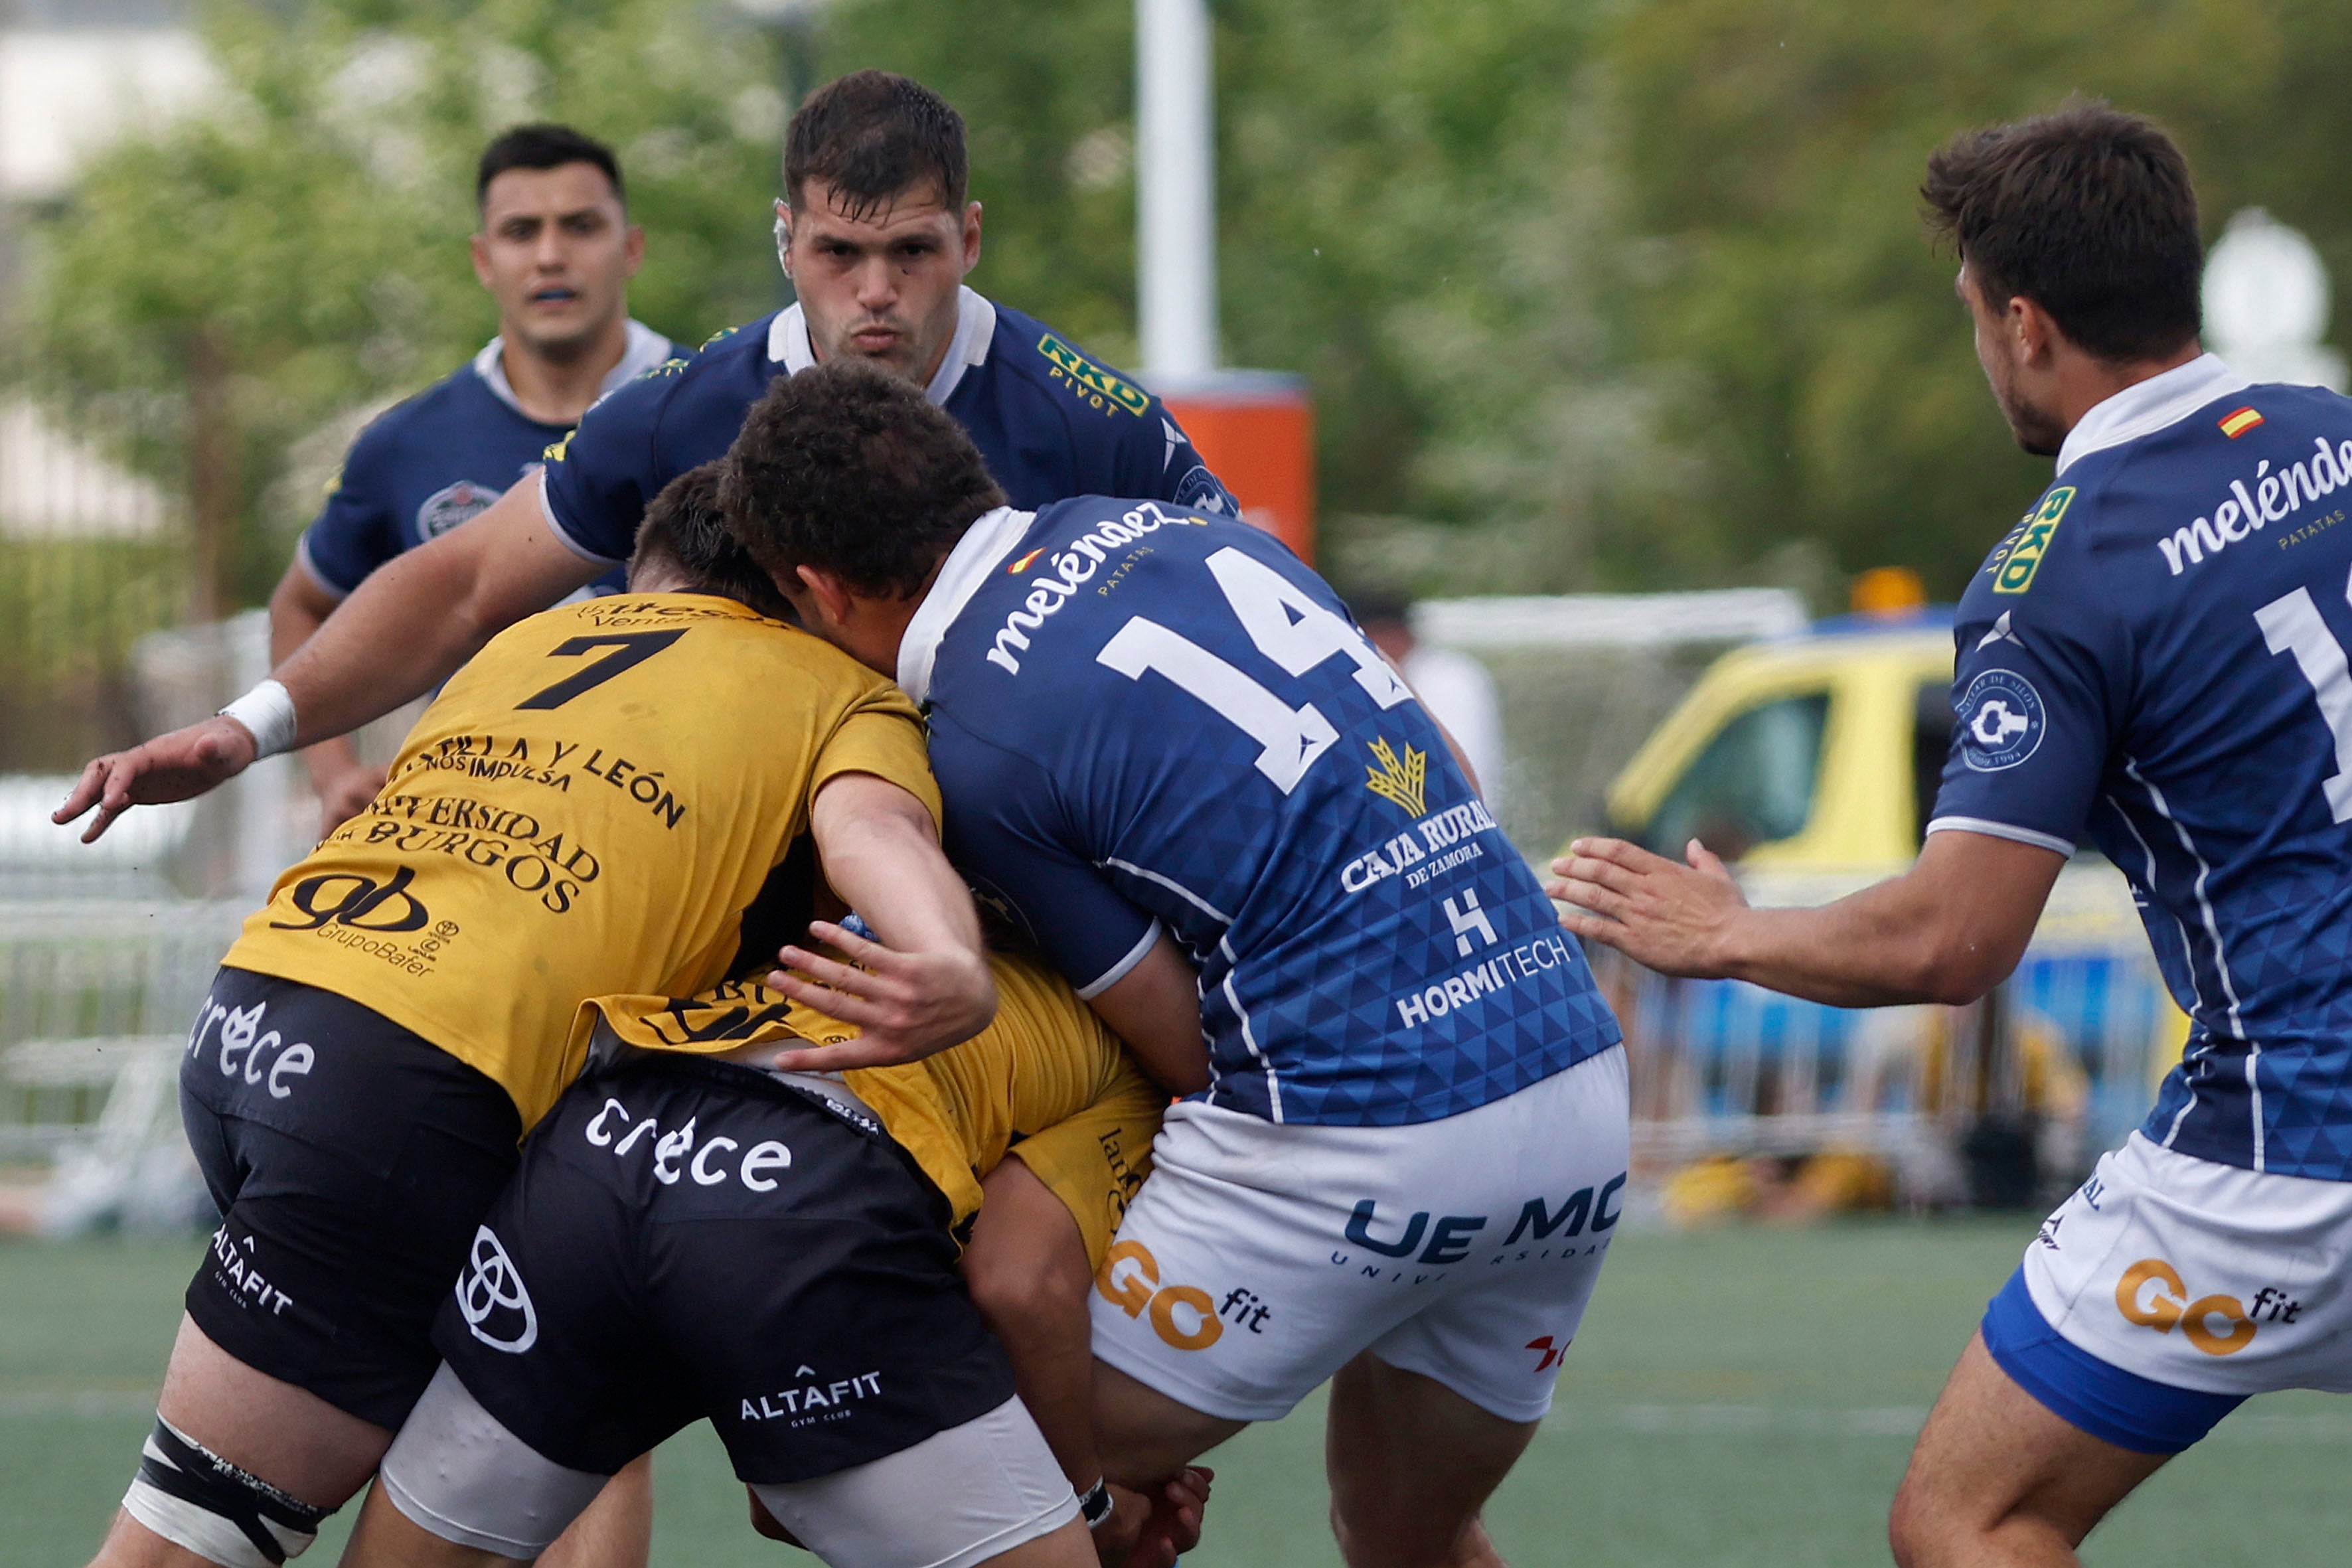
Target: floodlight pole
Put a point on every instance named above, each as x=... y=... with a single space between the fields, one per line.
x=1175 y=189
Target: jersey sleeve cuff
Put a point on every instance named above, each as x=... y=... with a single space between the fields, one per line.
x=562 y=531
x=319 y=578
x=2007 y=830
x=1123 y=968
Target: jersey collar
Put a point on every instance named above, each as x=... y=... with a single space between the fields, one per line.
x=645 y=349
x=984 y=543
x=788 y=342
x=2147 y=406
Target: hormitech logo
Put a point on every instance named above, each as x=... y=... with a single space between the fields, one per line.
x=2151 y=1293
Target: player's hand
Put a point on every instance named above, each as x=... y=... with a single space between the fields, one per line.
x=347 y=793
x=1173 y=1527
x=905 y=1004
x=177 y=766
x=1670 y=918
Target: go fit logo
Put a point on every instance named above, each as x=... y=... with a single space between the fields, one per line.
x=2151 y=1293
x=1130 y=1280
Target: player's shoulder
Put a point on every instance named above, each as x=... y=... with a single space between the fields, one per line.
x=1062 y=380
x=452 y=407
x=727 y=364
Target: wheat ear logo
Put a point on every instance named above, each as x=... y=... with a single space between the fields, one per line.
x=1402 y=782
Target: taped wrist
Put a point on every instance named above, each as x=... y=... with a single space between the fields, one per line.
x=1094 y=1504
x=193 y=1497
x=268 y=711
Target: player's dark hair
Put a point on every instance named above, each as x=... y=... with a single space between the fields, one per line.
x=851 y=469
x=871 y=135
x=2089 y=212
x=685 y=528
x=544 y=147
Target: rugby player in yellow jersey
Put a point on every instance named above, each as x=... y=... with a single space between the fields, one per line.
x=692 y=1235
x=616 y=796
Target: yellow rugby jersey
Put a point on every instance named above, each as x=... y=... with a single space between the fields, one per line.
x=1046 y=1060
x=602 y=800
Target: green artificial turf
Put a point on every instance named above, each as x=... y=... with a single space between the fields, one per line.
x=1742 y=1398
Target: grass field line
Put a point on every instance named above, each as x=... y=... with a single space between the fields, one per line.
x=1884 y=1421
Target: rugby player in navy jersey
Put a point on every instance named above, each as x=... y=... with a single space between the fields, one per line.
x=878 y=238
x=556 y=251
x=2153 y=659
x=1163 y=746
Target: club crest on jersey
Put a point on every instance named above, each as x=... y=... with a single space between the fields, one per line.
x=2014 y=575
x=1403 y=781
x=1091 y=382
x=2003 y=721
x=450 y=505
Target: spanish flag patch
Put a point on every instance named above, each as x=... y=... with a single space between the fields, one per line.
x=2236 y=425
x=1022 y=566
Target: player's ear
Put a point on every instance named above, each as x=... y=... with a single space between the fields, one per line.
x=635 y=242
x=478 y=247
x=831 y=594
x=970 y=236
x=784 y=236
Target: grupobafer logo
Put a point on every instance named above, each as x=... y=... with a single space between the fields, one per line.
x=2001 y=720
x=492 y=1297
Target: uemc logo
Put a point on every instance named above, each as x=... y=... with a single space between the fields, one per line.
x=2151 y=1293
x=1450 y=1238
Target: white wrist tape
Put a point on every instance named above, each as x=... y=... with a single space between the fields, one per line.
x=268 y=711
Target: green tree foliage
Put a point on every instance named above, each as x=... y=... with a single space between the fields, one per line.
x=211 y=292
x=1774 y=150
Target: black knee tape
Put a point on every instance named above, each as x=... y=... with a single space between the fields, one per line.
x=181 y=1482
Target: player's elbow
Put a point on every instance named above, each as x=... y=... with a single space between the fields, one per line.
x=1960 y=966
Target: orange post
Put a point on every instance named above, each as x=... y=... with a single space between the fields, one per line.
x=1256 y=429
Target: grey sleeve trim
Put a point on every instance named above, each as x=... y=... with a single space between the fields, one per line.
x=2009 y=831
x=1122 y=969
x=311 y=569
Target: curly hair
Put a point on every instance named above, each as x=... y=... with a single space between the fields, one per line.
x=851 y=469
x=2089 y=212
x=684 y=529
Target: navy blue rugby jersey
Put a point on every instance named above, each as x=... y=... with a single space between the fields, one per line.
x=2154 y=657
x=1051 y=422
x=1143 y=717
x=426 y=464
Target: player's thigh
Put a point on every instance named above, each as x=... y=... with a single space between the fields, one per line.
x=1144 y=1437
x=1028 y=1252
x=1996 y=1471
x=285 y=1434
x=1411 y=1463
x=384 y=1537
x=991 y=1493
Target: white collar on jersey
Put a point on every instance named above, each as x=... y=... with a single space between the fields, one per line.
x=645 y=349
x=2147 y=406
x=987 y=541
x=788 y=342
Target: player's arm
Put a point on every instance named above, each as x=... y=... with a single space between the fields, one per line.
x=1155 y=1008
x=1948 y=929
x=925 y=986
x=299 y=606
x=401 y=632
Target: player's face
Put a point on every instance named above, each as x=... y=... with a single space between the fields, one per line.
x=2001 y=353
x=557 y=252
x=883 y=284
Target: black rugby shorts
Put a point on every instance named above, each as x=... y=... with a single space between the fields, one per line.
x=689 y=1238
x=350 y=1161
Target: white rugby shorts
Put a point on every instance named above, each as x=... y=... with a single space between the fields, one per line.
x=2201 y=1276
x=1259 y=1258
